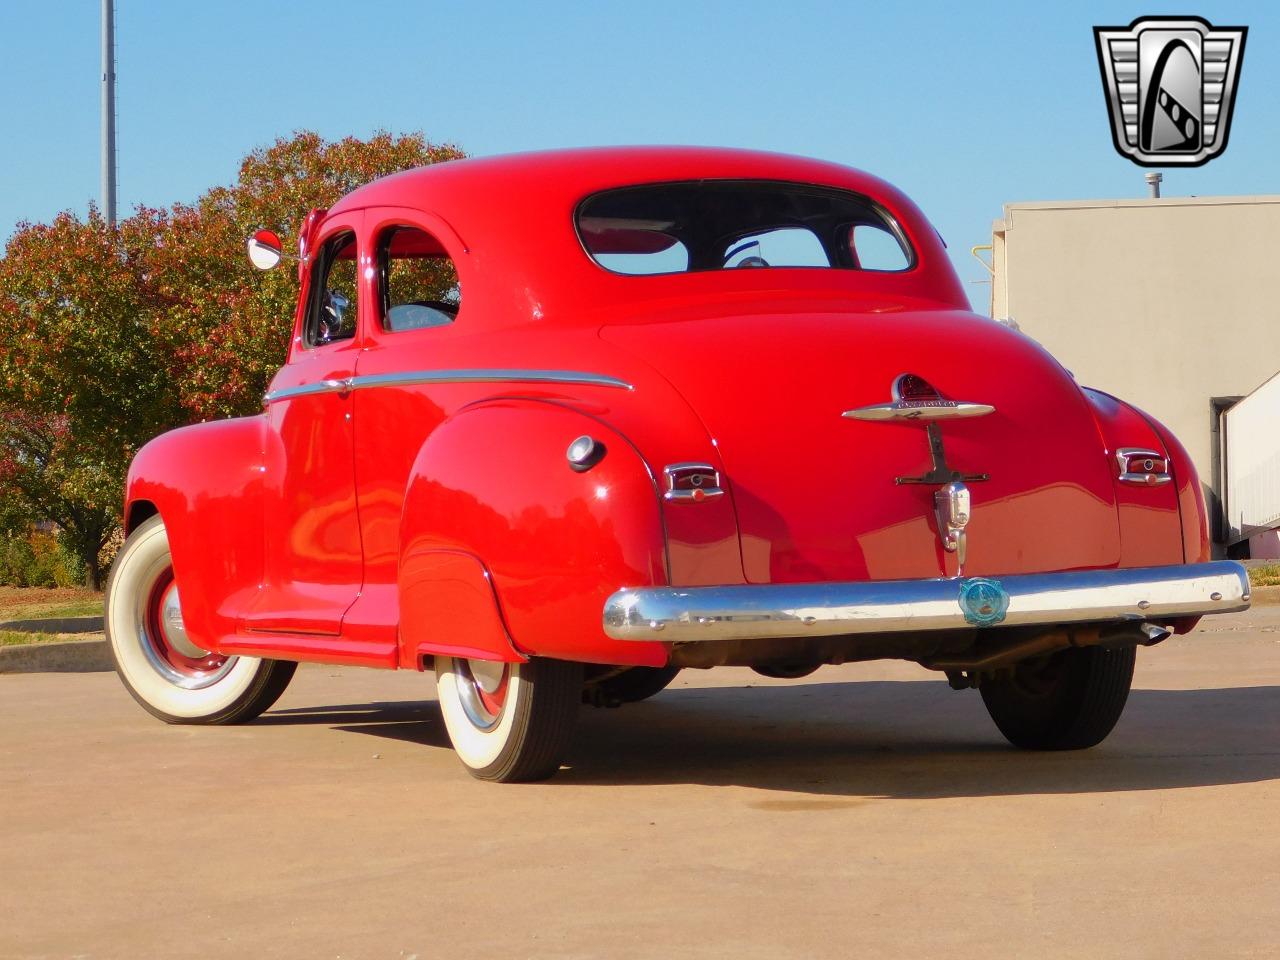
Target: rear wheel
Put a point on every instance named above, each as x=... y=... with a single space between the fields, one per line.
x=1067 y=701
x=510 y=722
x=159 y=664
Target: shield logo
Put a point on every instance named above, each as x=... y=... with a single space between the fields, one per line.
x=1170 y=84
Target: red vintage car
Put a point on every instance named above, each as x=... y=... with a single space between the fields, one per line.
x=560 y=425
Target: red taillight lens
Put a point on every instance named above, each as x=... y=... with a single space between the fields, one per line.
x=691 y=481
x=1141 y=466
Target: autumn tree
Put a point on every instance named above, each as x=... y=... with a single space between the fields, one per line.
x=109 y=336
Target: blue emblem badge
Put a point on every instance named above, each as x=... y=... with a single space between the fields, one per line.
x=983 y=601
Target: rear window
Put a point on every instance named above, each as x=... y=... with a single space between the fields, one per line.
x=738 y=224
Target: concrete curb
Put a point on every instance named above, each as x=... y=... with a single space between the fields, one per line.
x=1265 y=596
x=72 y=656
x=55 y=625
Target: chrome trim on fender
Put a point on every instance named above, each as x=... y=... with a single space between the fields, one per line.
x=740 y=612
x=412 y=378
x=307 y=389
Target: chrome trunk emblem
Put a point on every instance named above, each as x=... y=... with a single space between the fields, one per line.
x=913 y=398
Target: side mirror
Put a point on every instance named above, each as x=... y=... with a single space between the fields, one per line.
x=265 y=250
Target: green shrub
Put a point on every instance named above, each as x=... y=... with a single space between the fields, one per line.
x=37 y=559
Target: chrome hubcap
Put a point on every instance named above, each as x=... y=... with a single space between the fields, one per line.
x=171 y=625
x=482 y=690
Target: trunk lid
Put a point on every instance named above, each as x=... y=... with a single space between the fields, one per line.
x=815 y=492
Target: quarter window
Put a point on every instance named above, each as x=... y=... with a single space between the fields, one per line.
x=418 y=283
x=875 y=248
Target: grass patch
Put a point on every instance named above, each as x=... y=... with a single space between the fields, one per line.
x=1267 y=576
x=35 y=603
x=76 y=608
x=12 y=638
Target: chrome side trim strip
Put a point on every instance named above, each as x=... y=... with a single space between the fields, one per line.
x=307 y=389
x=741 y=612
x=411 y=378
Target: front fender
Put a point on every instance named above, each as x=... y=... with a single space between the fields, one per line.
x=508 y=552
x=206 y=482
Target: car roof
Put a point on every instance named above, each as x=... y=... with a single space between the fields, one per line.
x=575 y=173
x=515 y=212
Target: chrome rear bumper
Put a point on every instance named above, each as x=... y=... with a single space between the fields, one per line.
x=741 y=612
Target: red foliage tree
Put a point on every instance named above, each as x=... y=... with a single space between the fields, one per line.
x=111 y=336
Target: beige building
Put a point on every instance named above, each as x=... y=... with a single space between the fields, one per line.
x=1172 y=304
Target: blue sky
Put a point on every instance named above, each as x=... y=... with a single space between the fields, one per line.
x=963 y=105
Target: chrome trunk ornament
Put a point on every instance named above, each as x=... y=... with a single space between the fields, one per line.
x=914 y=398
x=941 y=472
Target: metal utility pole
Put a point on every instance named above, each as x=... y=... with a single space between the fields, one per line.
x=109 y=111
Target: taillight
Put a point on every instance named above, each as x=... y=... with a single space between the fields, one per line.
x=691 y=481
x=1144 y=467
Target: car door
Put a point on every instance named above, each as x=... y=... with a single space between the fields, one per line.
x=410 y=329
x=313 y=557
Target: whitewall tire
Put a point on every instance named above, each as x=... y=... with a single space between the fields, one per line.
x=510 y=722
x=166 y=672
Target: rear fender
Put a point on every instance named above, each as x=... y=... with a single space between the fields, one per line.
x=508 y=552
x=1195 y=518
x=206 y=482
x=1151 y=529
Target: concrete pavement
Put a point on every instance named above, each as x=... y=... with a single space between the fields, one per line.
x=868 y=811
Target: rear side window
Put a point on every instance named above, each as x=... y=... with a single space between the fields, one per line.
x=738 y=224
x=417 y=282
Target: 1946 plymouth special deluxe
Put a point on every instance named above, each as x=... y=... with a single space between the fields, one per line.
x=559 y=425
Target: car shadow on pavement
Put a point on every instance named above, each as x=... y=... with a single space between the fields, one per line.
x=902 y=739
x=919 y=740
x=415 y=721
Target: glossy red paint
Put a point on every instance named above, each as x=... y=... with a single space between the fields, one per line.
x=382 y=524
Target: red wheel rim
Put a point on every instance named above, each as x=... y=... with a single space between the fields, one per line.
x=174 y=648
